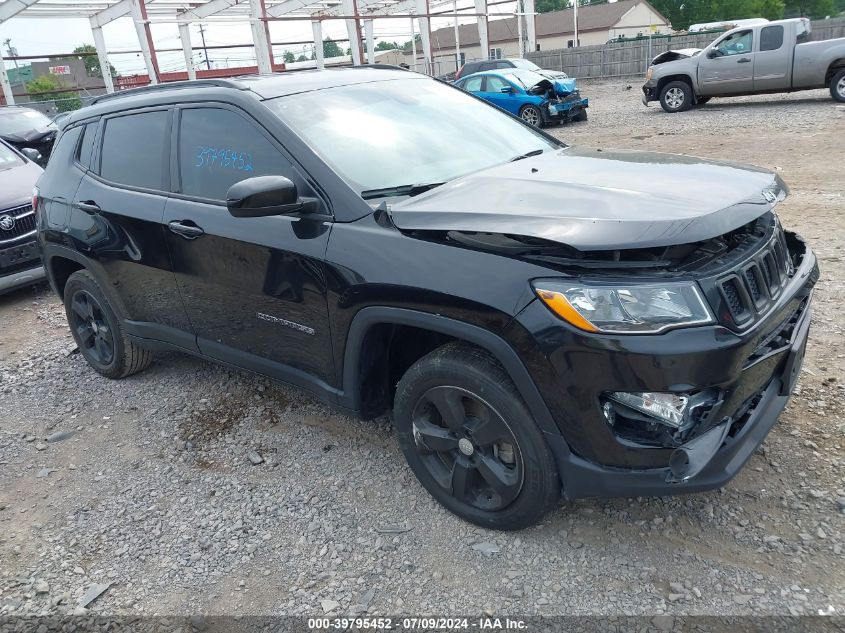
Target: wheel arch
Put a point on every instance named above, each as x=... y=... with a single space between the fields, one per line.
x=676 y=77
x=835 y=66
x=368 y=321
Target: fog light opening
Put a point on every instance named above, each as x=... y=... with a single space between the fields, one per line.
x=679 y=463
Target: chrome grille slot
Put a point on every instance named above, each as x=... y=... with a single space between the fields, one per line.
x=24 y=223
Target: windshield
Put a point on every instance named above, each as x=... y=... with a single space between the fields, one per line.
x=405 y=131
x=8 y=158
x=526 y=78
x=17 y=121
x=524 y=64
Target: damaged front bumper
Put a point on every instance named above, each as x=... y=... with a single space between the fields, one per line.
x=752 y=374
x=565 y=109
x=650 y=92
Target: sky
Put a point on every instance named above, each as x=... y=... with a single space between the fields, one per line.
x=51 y=36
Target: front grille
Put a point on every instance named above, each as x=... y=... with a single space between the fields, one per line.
x=752 y=288
x=779 y=338
x=24 y=223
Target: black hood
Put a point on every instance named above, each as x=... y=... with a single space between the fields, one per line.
x=40 y=135
x=16 y=184
x=597 y=199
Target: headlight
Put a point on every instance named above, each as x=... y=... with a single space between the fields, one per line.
x=649 y=73
x=633 y=309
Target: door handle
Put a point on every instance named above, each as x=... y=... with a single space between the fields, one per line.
x=744 y=60
x=186 y=229
x=89 y=206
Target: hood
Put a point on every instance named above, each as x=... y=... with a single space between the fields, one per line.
x=32 y=136
x=563 y=86
x=16 y=184
x=672 y=56
x=598 y=200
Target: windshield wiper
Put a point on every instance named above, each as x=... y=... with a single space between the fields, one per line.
x=400 y=190
x=533 y=152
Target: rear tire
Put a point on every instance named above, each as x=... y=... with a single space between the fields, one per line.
x=676 y=96
x=471 y=441
x=98 y=330
x=837 y=86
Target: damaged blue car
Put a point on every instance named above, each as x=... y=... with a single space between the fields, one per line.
x=536 y=99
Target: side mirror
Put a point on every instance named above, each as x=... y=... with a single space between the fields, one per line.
x=264 y=196
x=508 y=90
x=713 y=53
x=32 y=154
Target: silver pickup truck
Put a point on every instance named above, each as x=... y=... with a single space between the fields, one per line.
x=767 y=58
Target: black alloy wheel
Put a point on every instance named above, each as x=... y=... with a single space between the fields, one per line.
x=93 y=333
x=467 y=448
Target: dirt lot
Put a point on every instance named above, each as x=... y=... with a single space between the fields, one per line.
x=152 y=492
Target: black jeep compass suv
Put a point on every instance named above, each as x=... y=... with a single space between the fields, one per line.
x=540 y=320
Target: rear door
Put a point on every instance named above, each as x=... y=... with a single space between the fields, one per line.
x=728 y=67
x=116 y=220
x=254 y=288
x=773 y=59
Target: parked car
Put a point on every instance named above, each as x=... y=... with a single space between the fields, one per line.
x=767 y=58
x=482 y=65
x=532 y=97
x=27 y=128
x=20 y=263
x=539 y=320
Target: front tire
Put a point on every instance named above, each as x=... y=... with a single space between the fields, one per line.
x=676 y=96
x=471 y=441
x=837 y=86
x=531 y=115
x=98 y=331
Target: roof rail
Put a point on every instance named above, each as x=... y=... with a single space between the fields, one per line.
x=198 y=83
x=378 y=66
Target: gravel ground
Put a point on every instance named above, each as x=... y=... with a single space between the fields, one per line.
x=146 y=489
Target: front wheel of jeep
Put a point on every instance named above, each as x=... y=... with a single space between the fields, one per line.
x=471 y=441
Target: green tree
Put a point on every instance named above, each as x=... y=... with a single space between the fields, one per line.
x=289 y=57
x=92 y=62
x=387 y=46
x=302 y=58
x=816 y=9
x=49 y=88
x=331 y=49
x=547 y=6
x=682 y=13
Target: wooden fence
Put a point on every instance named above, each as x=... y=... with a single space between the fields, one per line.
x=625 y=59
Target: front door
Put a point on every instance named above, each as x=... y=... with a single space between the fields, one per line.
x=728 y=67
x=773 y=60
x=500 y=92
x=254 y=288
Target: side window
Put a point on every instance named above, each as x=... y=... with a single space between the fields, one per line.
x=771 y=38
x=739 y=43
x=136 y=150
x=83 y=152
x=473 y=84
x=496 y=84
x=65 y=146
x=218 y=148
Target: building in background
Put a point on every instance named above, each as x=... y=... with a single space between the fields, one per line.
x=70 y=72
x=597 y=24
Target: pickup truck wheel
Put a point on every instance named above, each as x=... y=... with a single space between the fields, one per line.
x=676 y=96
x=472 y=442
x=531 y=115
x=98 y=331
x=837 y=86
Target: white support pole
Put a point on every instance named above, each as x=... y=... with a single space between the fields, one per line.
x=481 y=8
x=457 y=37
x=102 y=56
x=425 y=35
x=519 y=27
x=140 y=30
x=413 y=45
x=4 y=79
x=530 y=25
x=259 y=38
x=317 y=28
x=352 y=32
x=575 y=19
x=185 y=37
x=371 y=41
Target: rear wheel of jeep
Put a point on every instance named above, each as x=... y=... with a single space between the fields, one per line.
x=471 y=441
x=98 y=331
x=676 y=96
x=837 y=86
x=531 y=115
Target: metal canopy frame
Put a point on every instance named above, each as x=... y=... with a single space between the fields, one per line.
x=259 y=13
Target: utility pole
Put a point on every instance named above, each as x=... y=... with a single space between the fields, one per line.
x=204 y=49
x=13 y=52
x=575 y=16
